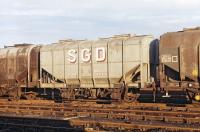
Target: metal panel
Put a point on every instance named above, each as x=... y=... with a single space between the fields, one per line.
x=190 y=62
x=46 y=67
x=146 y=42
x=58 y=63
x=3 y=63
x=99 y=63
x=154 y=59
x=170 y=58
x=11 y=63
x=46 y=61
x=115 y=55
x=85 y=65
x=34 y=66
x=72 y=63
x=22 y=65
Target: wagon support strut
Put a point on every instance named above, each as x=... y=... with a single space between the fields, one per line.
x=130 y=94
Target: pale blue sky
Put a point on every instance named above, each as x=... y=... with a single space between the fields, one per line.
x=47 y=21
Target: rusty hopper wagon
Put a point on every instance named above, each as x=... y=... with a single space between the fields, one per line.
x=180 y=62
x=19 y=69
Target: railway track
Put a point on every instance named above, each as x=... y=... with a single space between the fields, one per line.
x=138 y=116
x=116 y=125
x=19 y=124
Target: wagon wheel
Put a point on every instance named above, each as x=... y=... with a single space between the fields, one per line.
x=130 y=97
x=193 y=96
x=2 y=91
x=16 y=97
x=14 y=93
x=30 y=96
x=83 y=93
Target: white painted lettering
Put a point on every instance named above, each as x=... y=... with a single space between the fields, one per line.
x=100 y=54
x=72 y=55
x=86 y=55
